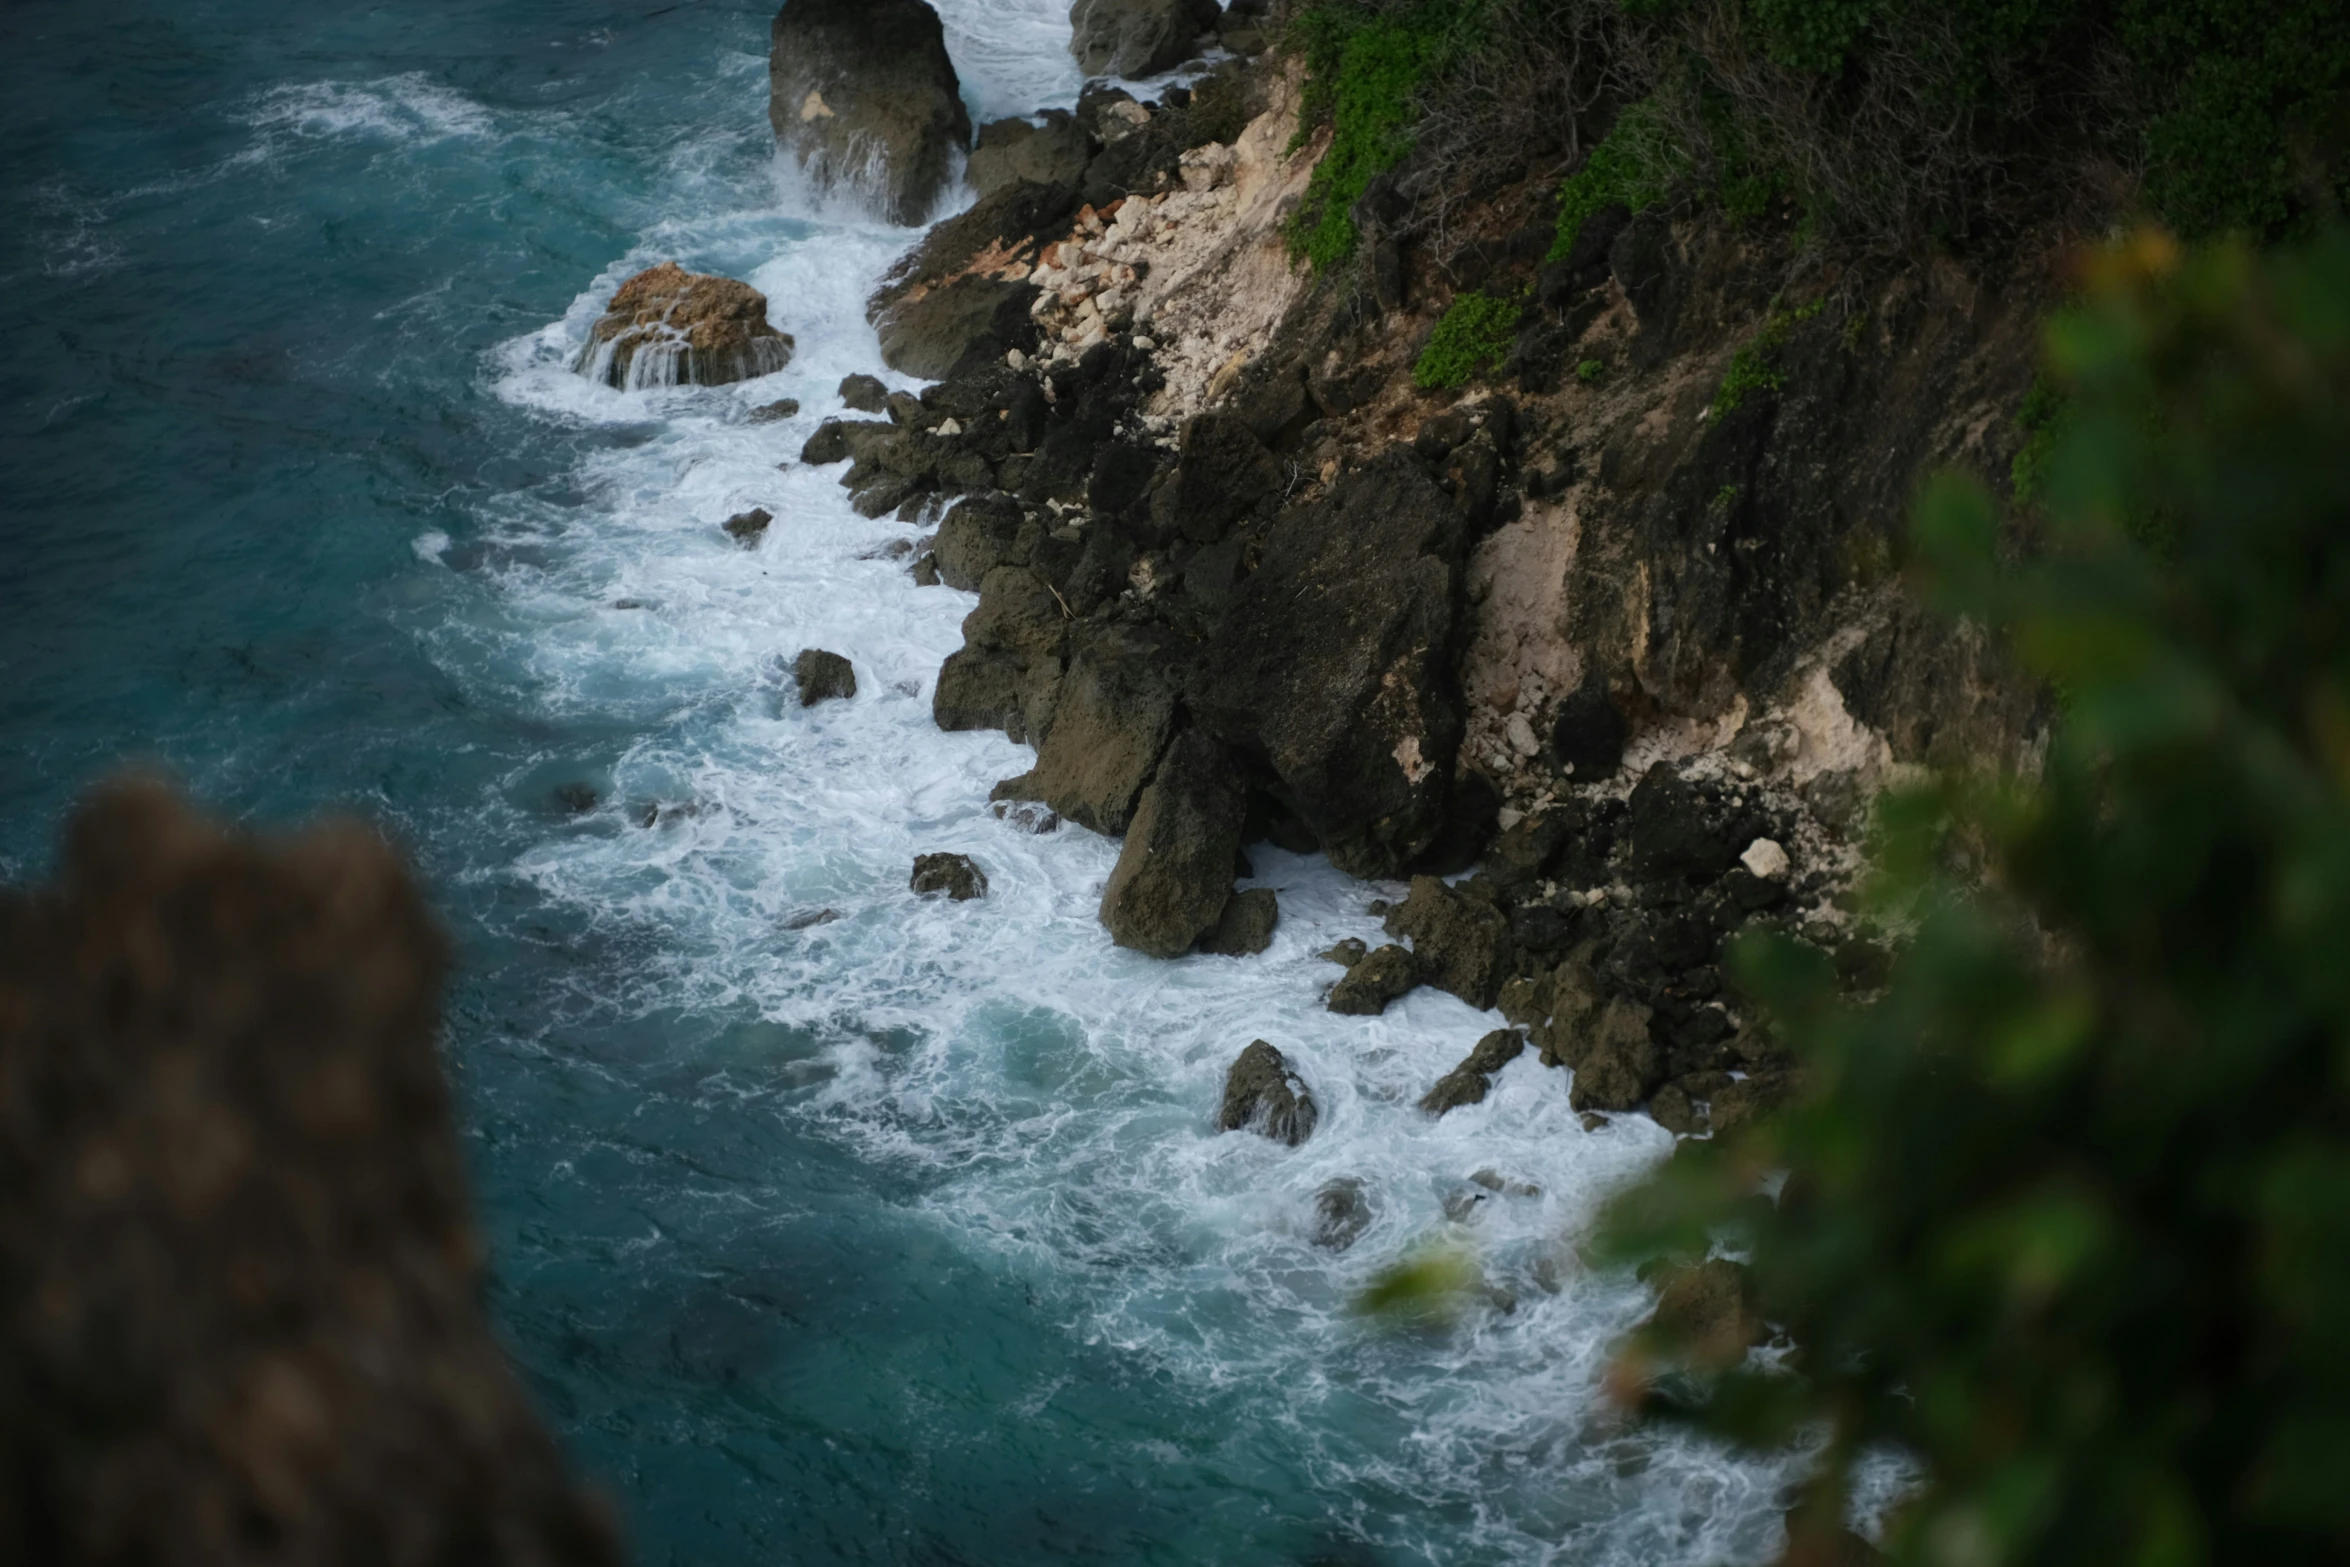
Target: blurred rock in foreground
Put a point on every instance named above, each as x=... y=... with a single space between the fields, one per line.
x=239 y=1314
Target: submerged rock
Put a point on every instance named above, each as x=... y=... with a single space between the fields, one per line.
x=1262 y=1094
x=1379 y=978
x=748 y=527
x=776 y=412
x=822 y=676
x=670 y=327
x=1466 y=1084
x=954 y=875
x=1341 y=1213
x=861 y=93
x=1137 y=37
x=244 y=1303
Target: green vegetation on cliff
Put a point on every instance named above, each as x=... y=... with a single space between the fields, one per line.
x=1474 y=335
x=2066 y=1215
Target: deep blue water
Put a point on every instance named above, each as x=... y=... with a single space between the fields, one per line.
x=899 y=1238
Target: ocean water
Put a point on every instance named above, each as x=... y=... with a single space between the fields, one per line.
x=830 y=1225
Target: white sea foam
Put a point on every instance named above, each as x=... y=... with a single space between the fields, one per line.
x=406 y=108
x=1056 y=1090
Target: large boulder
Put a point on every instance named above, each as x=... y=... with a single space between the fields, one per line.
x=1137 y=37
x=1377 y=979
x=1262 y=1094
x=822 y=676
x=955 y=876
x=242 y=1318
x=1174 y=874
x=1007 y=674
x=1621 y=1064
x=862 y=94
x=1009 y=151
x=1333 y=665
x=670 y=327
x=1462 y=945
x=1246 y=926
x=1709 y=1313
x=1111 y=724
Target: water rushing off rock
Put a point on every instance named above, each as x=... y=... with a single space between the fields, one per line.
x=670 y=327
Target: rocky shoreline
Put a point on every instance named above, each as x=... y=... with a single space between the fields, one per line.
x=1615 y=626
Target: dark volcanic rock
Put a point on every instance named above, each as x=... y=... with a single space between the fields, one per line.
x=1587 y=732
x=952 y=874
x=1137 y=37
x=978 y=535
x=1174 y=874
x=1262 y=1094
x=1007 y=674
x=1466 y=1084
x=864 y=393
x=1341 y=1213
x=1462 y=945
x=1010 y=151
x=1223 y=474
x=1245 y=928
x=959 y=301
x=1111 y=724
x=861 y=92
x=242 y=1318
x=1379 y=978
x=1333 y=665
x=822 y=676
x=1676 y=833
x=746 y=527
x=670 y=327
x=1621 y=1065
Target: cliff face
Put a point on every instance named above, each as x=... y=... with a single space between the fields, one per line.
x=1602 y=617
x=239 y=1313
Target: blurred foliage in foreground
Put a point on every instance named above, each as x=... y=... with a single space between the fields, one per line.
x=2069 y=1211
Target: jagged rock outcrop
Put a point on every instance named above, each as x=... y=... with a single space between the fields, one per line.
x=1373 y=981
x=1112 y=718
x=1137 y=37
x=1332 y=667
x=1174 y=874
x=862 y=94
x=670 y=327
x=1467 y=1083
x=1459 y=943
x=1262 y=1094
x=242 y=1317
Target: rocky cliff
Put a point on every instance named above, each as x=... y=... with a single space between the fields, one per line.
x=1618 y=619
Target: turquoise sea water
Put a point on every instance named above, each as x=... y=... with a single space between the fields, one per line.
x=899 y=1237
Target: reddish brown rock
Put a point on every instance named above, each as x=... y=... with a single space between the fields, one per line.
x=670 y=327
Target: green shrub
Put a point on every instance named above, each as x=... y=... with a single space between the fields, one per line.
x=1755 y=366
x=1476 y=333
x=1363 y=71
x=1632 y=166
x=1590 y=371
x=2067 y=1210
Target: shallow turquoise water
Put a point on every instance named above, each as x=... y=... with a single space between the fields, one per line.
x=896 y=1238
